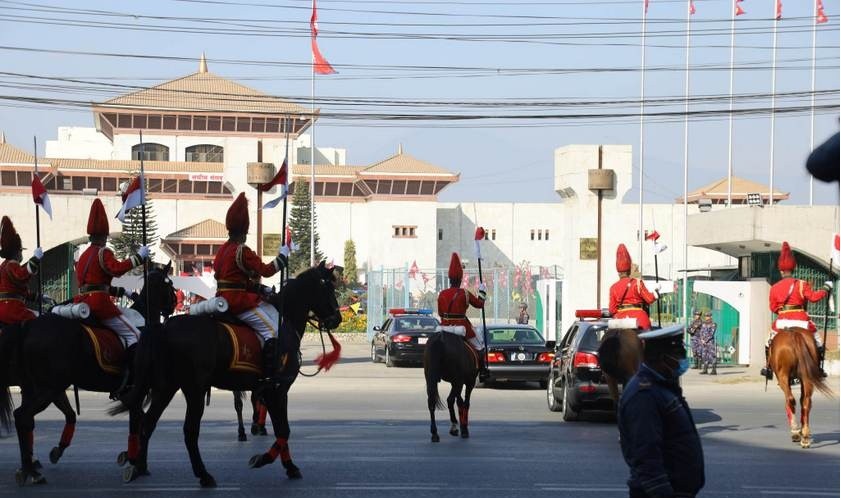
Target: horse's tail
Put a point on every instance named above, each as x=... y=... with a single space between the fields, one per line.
x=807 y=367
x=432 y=359
x=609 y=355
x=10 y=338
x=144 y=370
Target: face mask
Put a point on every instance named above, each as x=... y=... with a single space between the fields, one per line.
x=682 y=366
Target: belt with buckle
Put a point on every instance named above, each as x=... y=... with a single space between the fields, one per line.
x=87 y=289
x=451 y=316
x=789 y=309
x=629 y=308
x=230 y=286
x=10 y=296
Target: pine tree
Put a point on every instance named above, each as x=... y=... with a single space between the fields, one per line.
x=299 y=223
x=350 y=263
x=130 y=240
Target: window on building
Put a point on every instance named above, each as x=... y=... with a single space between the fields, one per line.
x=546 y=235
x=204 y=153
x=405 y=232
x=440 y=234
x=493 y=234
x=67 y=183
x=109 y=184
x=532 y=235
x=9 y=178
x=151 y=152
x=540 y=235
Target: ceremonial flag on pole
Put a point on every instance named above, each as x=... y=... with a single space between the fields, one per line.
x=739 y=10
x=652 y=235
x=320 y=64
x=479 y=235
x=289 y=243
x=821 y=16
x=132 y=197
x=835 y=253
x=40 y=196
x=645 y=8
x=779 y=12
x=691 y=7
x=281 y=178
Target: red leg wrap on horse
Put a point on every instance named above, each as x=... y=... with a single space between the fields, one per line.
x=261 y=418
x=67 y=435
x=133 y=445
x=462 y=415
x=281 y=448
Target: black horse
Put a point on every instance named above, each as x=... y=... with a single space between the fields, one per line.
x=192 y=353
x=53 y=353
x=448 y=357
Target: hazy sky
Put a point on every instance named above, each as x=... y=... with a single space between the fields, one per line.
x=453 y=51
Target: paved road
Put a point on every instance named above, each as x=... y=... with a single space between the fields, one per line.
x=362 y=430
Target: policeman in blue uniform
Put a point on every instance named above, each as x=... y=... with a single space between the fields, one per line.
x=659 y=441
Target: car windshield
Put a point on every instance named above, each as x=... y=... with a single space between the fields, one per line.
x=514 y=335
x=592 y=338
x=415 y=324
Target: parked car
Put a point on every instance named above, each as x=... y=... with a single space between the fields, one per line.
x=576 y=383
x=516 y=353
x=402 y=337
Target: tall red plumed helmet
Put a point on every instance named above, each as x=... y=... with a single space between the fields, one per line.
x=786 y=261
x=10 y=243
x=97 y=219
x=455 y=271
x=236 y=221
x=623 y=259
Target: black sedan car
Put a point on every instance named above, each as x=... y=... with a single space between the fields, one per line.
x=402 y=337
x=516 y=353
x=576 y=382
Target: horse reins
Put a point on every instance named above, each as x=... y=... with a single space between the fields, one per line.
x=317 y=325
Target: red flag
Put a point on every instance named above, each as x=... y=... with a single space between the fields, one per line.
x=279 y=179
x=739 y=10
x=653 y=235
x=319 y=63
x=413 y=270
x=835 y=253
x=691 y=7
x=821 y=16
x=132 y=197
x=40 y=197
x=779 y=12
x=478 y=236
x=645 y=6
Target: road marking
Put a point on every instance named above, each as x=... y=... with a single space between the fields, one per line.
x=126 y=489
x=799 y=493
x=387 y=488
x=579 y=489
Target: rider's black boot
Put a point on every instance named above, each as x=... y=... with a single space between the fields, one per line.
x=128 y=373
x=766 y=370
x=821 y=352
x=269 y=360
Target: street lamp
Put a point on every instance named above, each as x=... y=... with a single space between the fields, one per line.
x=755 y=199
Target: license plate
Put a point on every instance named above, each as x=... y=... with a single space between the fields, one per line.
x=520 y=356
x=422 y=340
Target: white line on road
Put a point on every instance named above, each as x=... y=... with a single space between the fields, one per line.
x=799 y=493
x=126 y=489
x=387 y=488
x=586 y=490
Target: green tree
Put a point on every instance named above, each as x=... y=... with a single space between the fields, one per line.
x=351 y=276
x=299 y=222
x=131 y=238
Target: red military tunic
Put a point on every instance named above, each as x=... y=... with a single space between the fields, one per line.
x=788 y=299
x=236 y=266
x=14 y=278
x=452 y=308
x=94 y=271
x=627 y=297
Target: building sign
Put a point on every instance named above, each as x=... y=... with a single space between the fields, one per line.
x=588 y=248
x=271 y=243
x=206 y=177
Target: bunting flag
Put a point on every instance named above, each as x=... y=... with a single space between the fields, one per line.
x=40 y=196
x=691 y=8
x=739 y=10
x=413 y=270
x=779 y=10
x=319 y=63
x=132 y=197
x=821 y=18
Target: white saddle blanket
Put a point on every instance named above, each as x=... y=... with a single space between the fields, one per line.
x=622 y=323
x=458 y=330
x=791 y=324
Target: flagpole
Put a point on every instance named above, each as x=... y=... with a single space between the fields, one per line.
x=38 y=229
x=312 y=159
x=143 y=220
x=773 y=106
x=812 y=108
x=283 y=273
x=640 y=236
x=686 y=160
x=730 y=115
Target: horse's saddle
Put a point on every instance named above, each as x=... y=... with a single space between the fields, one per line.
x=107 y=347
x=247 y=347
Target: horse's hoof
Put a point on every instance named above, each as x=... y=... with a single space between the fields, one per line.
x=131 y=473
x=435 y=438
x=255 y=429
x=22 y=477
x=241 y=437
x=805 y=443
x=36 y=464
x=258 y=461
x=207 y=481
x=263 y=431
x=55 y=454
x=294 y=472
x=454 y=432
x=122 y=458
x=37 y=478
x=795 y=438
x=465 y=433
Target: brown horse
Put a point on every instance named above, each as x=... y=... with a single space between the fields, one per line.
x=620 y=355
x=447 y=357
x=793 y=354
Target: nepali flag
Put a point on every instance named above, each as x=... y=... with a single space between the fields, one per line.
x=132 y=197
x=821 y=18
x=779 y=10
x=739 y=10
x=653 y=235
x=40 y=196
x=319 y=63
x=479 y=235
x=281 y=178
x=691 y=8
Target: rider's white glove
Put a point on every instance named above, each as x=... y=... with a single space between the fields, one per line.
x=284 y=251
x=38 y=253
x=828 y=285
x=143 y=252
x=483 y=287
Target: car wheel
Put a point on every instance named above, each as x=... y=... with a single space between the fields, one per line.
x=374 y=354
x=551 y=400
x=569 y=415
x=388 y=361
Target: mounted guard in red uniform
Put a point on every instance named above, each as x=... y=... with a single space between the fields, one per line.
x=14 y=276
x=629 y=298
x=238 y=270
x=454 y=302
x=788 y=299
